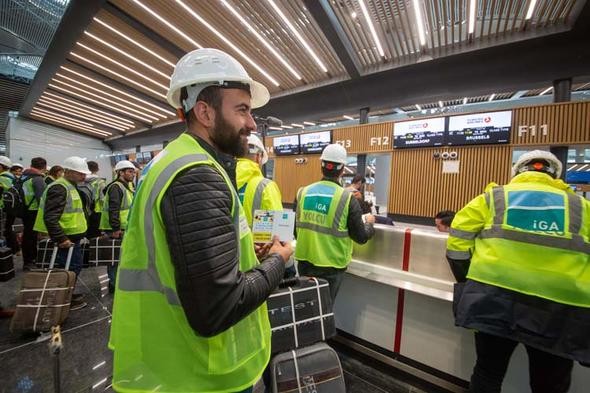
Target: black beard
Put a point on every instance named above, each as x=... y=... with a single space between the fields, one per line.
x=227 y=139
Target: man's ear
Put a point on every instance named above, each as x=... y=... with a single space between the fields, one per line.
x=204 y=113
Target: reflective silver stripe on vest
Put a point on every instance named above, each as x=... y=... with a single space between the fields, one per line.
x=499 y=205
x=333 y=231
x=465 y=235
x=148 y=279
x=453 y=254
x=576 y=243
x=257 y=202
x=575 y=206
x=69 y=201
x=487 y=197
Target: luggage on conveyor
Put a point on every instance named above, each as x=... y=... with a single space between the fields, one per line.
x=44 y=298
x=300 y=313
x=6 y=262
x=310 y=369
x=104 y=251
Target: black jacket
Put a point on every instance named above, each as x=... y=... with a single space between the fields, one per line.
x=116 y=196
x=196 y=210
x=358 y=231
x=55 y=203
x=38 y=182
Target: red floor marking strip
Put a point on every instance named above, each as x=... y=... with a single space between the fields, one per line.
x=401 y=293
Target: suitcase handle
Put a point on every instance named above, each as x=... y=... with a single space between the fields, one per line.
x=289 y=282
x=54 y=256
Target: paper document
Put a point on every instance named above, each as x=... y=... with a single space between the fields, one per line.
x=269 y=223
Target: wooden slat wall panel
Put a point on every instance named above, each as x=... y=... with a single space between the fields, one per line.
x=566 y=123
x=419 y=188
x=365 y=138
x=290 y=176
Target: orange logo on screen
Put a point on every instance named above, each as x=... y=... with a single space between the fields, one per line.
x=487 y=119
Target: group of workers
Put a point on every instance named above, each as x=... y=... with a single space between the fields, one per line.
x=190 y=313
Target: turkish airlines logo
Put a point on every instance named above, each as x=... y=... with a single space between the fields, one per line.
x=425 y=125
x=487 y=119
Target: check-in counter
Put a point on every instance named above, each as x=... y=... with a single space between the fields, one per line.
x=397 y=299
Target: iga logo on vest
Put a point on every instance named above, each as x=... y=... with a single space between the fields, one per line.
x=546 y=226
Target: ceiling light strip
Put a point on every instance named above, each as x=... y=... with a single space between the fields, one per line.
x=147 y=117
x=99 y=103
x=492 y=97
x=348 y=117
x=371 y=27
x=228 y=42
x=151 y=52
x=170 y=25
x=135 y=59
x=309 y=123
x=118 y=75
x=122 y=119
x=69 y=112
x=49 y=100
x=62 y=122
x=472 y=5
x=419 y=22
x=262 y=40
x=112 y=95
x=299 y=37
x=169 y=113
x=147 y=78
x=547 y=90
x=75 y=122
x=529 y=12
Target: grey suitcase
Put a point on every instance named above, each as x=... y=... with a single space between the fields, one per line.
x=309 y=369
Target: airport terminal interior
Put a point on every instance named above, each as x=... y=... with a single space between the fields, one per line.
x=428 y=102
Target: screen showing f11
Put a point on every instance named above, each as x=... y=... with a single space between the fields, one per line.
x=316 y=142
x=286 y=145
x=480 y=128
x=419 y=133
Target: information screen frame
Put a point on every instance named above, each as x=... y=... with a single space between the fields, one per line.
x=476 y=135
x=296 y=149
x=318 y=149
x=427 y=132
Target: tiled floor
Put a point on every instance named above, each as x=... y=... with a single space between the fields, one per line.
x=26 y=365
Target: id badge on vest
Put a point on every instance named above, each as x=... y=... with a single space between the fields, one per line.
x=244 y=227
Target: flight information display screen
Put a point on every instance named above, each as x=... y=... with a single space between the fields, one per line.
x=480 y=128
x=286 y=145
x=315 y=142
x=419 y=133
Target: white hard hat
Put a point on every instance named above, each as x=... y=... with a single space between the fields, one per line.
x=124 y=164
x=334 y=153
x=5 y=161
x=210 y=67
x=77 y=164
x=253 y=140
x=522 y=164
x=16 y=164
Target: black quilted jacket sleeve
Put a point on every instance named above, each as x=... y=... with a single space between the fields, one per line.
x=214 y=293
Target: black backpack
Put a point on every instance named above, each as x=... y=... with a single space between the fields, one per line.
x=14 y=199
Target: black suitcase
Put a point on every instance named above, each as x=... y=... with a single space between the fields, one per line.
x=300 y=313
x=315 y=369
x=6 y=264
x=104 y=251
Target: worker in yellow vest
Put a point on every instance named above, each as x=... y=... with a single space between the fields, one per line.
x=521 y=255
x=328 y=220
x=190 y=312
x=255 y=191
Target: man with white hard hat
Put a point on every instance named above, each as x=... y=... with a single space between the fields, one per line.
x=61 y=216
x=328 y=220
x=190 y=313
x=522 y=257
x=115 y=208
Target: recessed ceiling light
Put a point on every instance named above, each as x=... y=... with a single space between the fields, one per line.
x=118 y=75
x=299 y=37
x=353 y=15
x=348 y=117
x=50 y=100
x=170 y=25
x=83 y=116
x=464 y=100
x=472 y=5
x=440 y=103
x=228 y=42
x=492 y=97
x=529 y=12
x=288 y=127
x=151 y=52
x=74 y=122
x=262 y=40
x=169 y=113
x=547 y=90
x=143 y=108
x=418 y=107
x=419 y=22
x=297 y=125
x=89 y=107
x=309 y=123
x=147 y=78
x=371 y=28
x=135 y=59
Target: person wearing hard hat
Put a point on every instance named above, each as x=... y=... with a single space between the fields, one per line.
x=61 y=216
x=115 y=208
x=255 y=191
x=328 y=220
x=17 y=170
x=522 y=257
x=6 y=177
x=190 y=312
x=33 y=187
x=54 y=173
x=7 y=180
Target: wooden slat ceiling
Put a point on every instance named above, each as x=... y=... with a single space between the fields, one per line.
x=115 y=78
